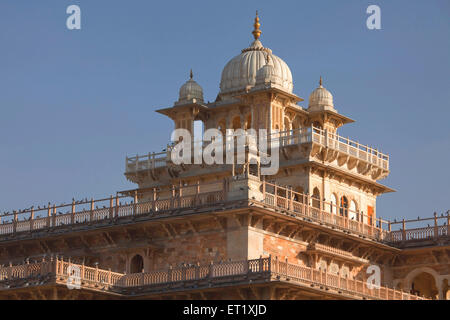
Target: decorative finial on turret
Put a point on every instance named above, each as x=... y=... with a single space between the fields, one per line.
x=320 y=82
x=256 y=32
x=191 y=75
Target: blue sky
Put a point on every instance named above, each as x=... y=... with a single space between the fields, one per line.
x=75 y=103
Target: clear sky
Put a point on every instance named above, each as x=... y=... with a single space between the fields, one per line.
x=75 y=103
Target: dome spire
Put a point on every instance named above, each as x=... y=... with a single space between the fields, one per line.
x=320 y=82
x=191 y=75
x=256 y=32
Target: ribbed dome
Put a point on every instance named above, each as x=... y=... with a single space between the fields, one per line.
x=189 y=91
x=320 y=98
x=240 y=72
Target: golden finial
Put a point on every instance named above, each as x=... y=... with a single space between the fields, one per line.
x=256 y=32
x=191 y=74
x=320 y=81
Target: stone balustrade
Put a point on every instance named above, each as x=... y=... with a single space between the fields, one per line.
x=333 y=141
x=65 y=272
x=301 y=205
x=282 y=199
x=33 y=220
x=422 y=233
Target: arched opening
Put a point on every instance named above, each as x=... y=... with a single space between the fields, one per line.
x=248 y=122
x=299 y=194
x=343 y=211
x=287 y=125
x=317 y=124
x=424 y=284
x=316 y=198
x=236 y=123
x=296 y=130
x=287 y=130
x=445 y=290
x=333 y=204
x=352 y=212
x=136 y=264
x=221 y=125
x=296 y=124
x=199 y=130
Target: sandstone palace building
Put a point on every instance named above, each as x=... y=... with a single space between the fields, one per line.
x=227 y=231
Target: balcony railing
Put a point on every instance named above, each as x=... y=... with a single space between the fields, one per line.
x=90 y=211
x=421 y=233
x=286 y=138
x=190 y=196
x=156 y=201
x=350 y=147
x=323 y=212
x=86 y=277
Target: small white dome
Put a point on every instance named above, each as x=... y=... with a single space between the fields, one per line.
x=240 y=72
x=190 y=91
x=268 y=76
x=320 y=98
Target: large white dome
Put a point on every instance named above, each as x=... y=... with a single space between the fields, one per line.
x=240 y=72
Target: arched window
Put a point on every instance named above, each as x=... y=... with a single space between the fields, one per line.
x=248 y=124
x=136 y=264
x=222 y=126
x=287 y=124
x=287 y=128
x=424 y=284
x=343 y=211
x=316 y=198
x=236 y=123
x=199 y=130
x=353 y=215
x=317 y=125
x=299 y=194
x=333 y=204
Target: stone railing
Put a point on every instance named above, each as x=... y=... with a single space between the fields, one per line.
x=317 y=278
x=88 y=212
x=196 y=272
x=345 y=255
x=352 y=148
x=155 y=202
x=147 y=162
x=62 y=271
x=422 y=233
x=275 y=270
x=310 y=208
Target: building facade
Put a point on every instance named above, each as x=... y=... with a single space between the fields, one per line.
x=227 y=230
